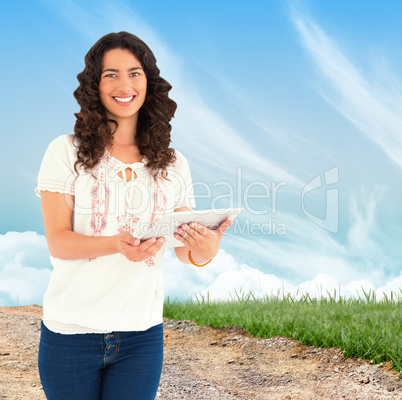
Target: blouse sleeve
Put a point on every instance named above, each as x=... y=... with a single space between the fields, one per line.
x=57 y=173
x=182 y=183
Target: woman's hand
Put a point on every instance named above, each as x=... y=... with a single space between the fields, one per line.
x=202 y=241
x=66 y=244
x=133 y=250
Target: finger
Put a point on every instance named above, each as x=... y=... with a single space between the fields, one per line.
x=180 y=238
x=135 y=241
x=157 y=246
x=127 y=238
x=186 y=232
x=151 y=244
x=199 y=228
x=223 y=226
x=148 y=248
x=183 y=236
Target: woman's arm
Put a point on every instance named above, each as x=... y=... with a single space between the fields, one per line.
x=64 y=243
x=202 y=241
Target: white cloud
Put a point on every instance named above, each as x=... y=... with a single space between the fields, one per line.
x=224 y=278
x=25 y=271
x=183 y=280
x=24 y=268
x=359 y=288
x=393 y=287
x=239 y=283
x=307 y=259
x=246 y=279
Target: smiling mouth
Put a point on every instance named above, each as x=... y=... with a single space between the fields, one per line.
x=124 y=99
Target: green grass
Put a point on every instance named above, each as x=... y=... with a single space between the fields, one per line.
x=362 y=327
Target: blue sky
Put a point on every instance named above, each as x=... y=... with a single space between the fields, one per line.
x=298 y=102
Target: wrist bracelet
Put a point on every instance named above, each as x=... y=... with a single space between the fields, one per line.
x=197 y=265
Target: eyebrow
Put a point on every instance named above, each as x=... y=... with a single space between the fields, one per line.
x=116 y=70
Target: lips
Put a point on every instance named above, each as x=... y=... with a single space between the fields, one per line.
x=123 y=99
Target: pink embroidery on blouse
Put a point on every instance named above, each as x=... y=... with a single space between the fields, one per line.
x=127 y=222
x=100 y=195
x=159 y=208
x=159 y=204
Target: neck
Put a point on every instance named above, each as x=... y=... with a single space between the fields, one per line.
x=126 y=131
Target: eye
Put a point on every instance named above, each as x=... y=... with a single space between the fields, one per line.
x=135 y=74
x=110 y=76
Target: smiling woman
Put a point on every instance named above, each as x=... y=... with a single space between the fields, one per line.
x=117 y=67
x=116 y=173
x=122 y=91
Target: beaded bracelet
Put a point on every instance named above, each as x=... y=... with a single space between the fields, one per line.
x=197 y=265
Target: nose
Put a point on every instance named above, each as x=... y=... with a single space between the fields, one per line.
x=125 y=83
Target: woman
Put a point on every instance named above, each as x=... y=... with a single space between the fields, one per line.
x=102 y=332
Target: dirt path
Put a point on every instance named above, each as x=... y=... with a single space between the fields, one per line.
x=213 y=364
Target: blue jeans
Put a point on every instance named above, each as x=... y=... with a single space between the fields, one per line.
x=114 y=366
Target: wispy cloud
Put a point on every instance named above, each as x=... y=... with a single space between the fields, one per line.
x=307 y=250
x=361 y=234
x=361 y=100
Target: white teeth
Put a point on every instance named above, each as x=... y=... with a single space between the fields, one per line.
x=124 y=99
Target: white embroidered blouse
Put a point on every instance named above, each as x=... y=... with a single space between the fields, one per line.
x=109 y=293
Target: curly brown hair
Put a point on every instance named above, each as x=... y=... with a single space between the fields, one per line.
x=92 y=128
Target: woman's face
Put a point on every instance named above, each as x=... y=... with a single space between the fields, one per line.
x=123 y=84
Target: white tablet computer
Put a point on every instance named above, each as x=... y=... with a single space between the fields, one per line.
x=166 y=227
